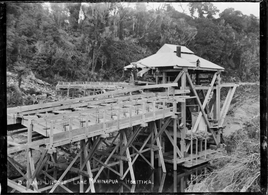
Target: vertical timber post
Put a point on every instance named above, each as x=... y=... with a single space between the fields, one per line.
x=82 y=146
x=152 y=143
x=183 y=113
x=218 y=97
x=55 y=168
x=218 y=106
x=164 y=77
x=28 y=155
x=174 y=136
x=159 y=126
x=121 y=165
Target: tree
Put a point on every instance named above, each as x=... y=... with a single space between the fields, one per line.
x=57 y=43
x=206 y=9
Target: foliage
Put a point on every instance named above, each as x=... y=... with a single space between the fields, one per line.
x=238 y=170
x=14 y=96
x=94 y=41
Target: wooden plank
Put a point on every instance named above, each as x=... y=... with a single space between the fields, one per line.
x=94 y=130
x=90 y=98
x=169 y=159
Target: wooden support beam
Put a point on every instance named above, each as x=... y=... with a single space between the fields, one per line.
x=227 y=98
x=175 y=181
x=91 y=183
x=130 y=165
x=176 y=150
x=175 y=131
x=94 y=147
x=162 y=182
x=140 y=154
x=204 y=103
x=160 y=154
x=131 y=139
x=199 y=103
x=218 y=97
x=13 y=163
x=162 y=129
x=66 y=171
x=60 y=183
x=107 y=160
x=136 y=155
x=43 y=159
x=207 y=105
x=106 y=166
x=164 y=80
x=152 y=139
x=178 y=76
x=121 y=164
x=82 y=156
x=226 y=108
x=161 y=140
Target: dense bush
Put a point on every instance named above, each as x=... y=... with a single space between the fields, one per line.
x=14 y=96
x=238 y=170
x=93 y=42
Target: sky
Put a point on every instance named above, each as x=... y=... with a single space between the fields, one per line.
x=246 y=8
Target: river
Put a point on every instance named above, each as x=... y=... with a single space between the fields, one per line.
x=147 y=180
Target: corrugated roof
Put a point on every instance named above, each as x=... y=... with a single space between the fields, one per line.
x=162 y=60
x=173 y=48
x=203 y=62
x=166 y=57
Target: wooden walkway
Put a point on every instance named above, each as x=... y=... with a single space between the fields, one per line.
x=91 y=85
x=97 y=118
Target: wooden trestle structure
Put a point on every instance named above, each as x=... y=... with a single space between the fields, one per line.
x=137 y=121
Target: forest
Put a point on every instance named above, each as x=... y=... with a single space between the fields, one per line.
x=94 y=41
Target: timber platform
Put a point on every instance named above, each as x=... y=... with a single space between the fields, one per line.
x=132 y=122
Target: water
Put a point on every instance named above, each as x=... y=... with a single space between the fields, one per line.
x=147 y=180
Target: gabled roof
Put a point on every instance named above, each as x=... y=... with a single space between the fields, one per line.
x=203 y=62
x=160 y=60
x=166 y=57
x=173 y=48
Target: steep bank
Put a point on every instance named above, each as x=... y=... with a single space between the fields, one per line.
x=244 y=107
x=238 y=168
x=31 y=90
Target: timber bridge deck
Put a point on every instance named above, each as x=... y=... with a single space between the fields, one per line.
x=131 y=122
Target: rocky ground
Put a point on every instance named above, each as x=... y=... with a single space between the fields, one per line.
x=31 y=91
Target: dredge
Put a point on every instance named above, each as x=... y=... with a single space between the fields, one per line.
x=174 y=115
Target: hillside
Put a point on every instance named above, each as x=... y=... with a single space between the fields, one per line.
x=238 y=168
x=31 y=91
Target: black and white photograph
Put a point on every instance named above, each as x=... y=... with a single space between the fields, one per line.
x=133 y=97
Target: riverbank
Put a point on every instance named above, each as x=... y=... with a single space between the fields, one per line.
x=238 y=168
